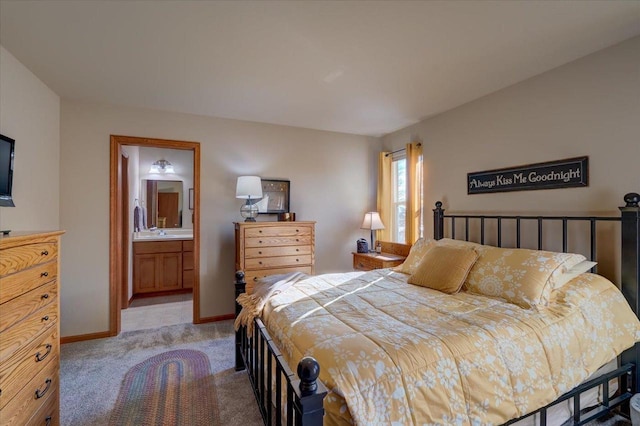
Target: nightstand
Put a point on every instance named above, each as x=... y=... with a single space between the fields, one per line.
x=369 y=261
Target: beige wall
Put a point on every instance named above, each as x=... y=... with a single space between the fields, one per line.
x=588 y=107
x=30 y=114
x=332 y=182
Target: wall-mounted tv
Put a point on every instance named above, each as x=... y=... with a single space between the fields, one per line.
x=7 y=152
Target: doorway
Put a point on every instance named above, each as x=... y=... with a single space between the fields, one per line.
x=119 y=233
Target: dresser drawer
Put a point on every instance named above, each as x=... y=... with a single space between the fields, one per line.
x=364 y=263
x=23 y=333
x=20 y=409
x=277 y=231
x=276 y=251
x=16 y=309
x=18 y=258
x=16 y=284
x=277 y=262
x=25 y=363
x=251 y=277
x=49 y=412
x=277 y=241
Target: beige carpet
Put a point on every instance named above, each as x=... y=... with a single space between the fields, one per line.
x=92 y=372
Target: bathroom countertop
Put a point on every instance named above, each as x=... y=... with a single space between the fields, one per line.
x=169 y=234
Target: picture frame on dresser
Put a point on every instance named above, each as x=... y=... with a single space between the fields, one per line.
x=276 y=193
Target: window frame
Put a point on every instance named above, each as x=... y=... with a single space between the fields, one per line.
x=396 y=225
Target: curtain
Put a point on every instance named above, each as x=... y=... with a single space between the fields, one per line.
x=384 y=205
x=413 y=226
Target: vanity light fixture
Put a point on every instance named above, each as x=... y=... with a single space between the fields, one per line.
x=162 y=166
x=249 y=187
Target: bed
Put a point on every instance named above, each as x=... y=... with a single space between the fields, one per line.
x=394 y=352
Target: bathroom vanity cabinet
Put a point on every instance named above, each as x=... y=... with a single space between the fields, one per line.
x=162 y=266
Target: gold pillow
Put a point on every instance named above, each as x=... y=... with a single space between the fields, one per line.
x=444 y=268
x=459 y=243
x=417 y=252
x=520 y=276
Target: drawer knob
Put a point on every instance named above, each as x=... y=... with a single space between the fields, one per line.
x=297 y=260
x=40 y=393
x=40 y=358
x=260 y=242
x=44 y=274
x=255 y=279
x=260 y=231
x=260 y=262
x=45 y=318
x=45 y=253
x=297 y=249
x=45 y=296
x=297 y=239
x=297 y=230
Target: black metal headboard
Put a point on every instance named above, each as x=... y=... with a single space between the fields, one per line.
x=629 y=220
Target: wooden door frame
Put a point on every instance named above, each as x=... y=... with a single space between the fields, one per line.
x=116 y=222
x=124 y=207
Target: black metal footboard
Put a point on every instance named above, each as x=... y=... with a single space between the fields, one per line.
x=283 y=397
x=583 y=415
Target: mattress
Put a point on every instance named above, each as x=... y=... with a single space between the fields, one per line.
x=391 y=352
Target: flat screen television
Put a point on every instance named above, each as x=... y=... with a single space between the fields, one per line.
x=7 y=152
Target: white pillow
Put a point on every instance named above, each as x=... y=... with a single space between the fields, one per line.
x=573 y=272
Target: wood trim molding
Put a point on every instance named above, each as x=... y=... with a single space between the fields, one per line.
x=217 y=318
x=82 y=337
x=115 y=229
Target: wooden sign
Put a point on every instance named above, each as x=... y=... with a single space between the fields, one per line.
x=571 y=172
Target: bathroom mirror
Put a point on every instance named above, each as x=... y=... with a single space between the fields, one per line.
x=164 y=201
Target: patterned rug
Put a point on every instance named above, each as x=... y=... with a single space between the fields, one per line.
x=173 y=388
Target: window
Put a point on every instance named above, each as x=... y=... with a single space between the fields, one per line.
x=400 y=194
x=398 y=198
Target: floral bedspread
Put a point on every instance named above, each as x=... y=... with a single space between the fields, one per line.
x=394 y=353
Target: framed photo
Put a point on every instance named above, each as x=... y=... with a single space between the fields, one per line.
x=275 y=196
x=190 y=198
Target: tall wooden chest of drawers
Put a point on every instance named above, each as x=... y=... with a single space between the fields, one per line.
x=268 y=248
x=29 y=329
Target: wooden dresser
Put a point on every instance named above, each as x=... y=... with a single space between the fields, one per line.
x=268 y=248
x=29 y=329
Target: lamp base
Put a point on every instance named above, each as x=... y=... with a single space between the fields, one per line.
x=249 y=212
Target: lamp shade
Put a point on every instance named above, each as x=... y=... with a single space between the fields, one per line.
x=372 y=221
x=249 y=187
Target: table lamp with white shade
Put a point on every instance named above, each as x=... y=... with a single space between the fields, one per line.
x=372 y=222
x=249 y=188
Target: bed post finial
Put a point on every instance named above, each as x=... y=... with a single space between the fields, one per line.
x=632 y=199
x=308 y=372
x=438 y=221
x=630 y=257
x=310 y=393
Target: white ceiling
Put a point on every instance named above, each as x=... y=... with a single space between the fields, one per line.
x=358 y=67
